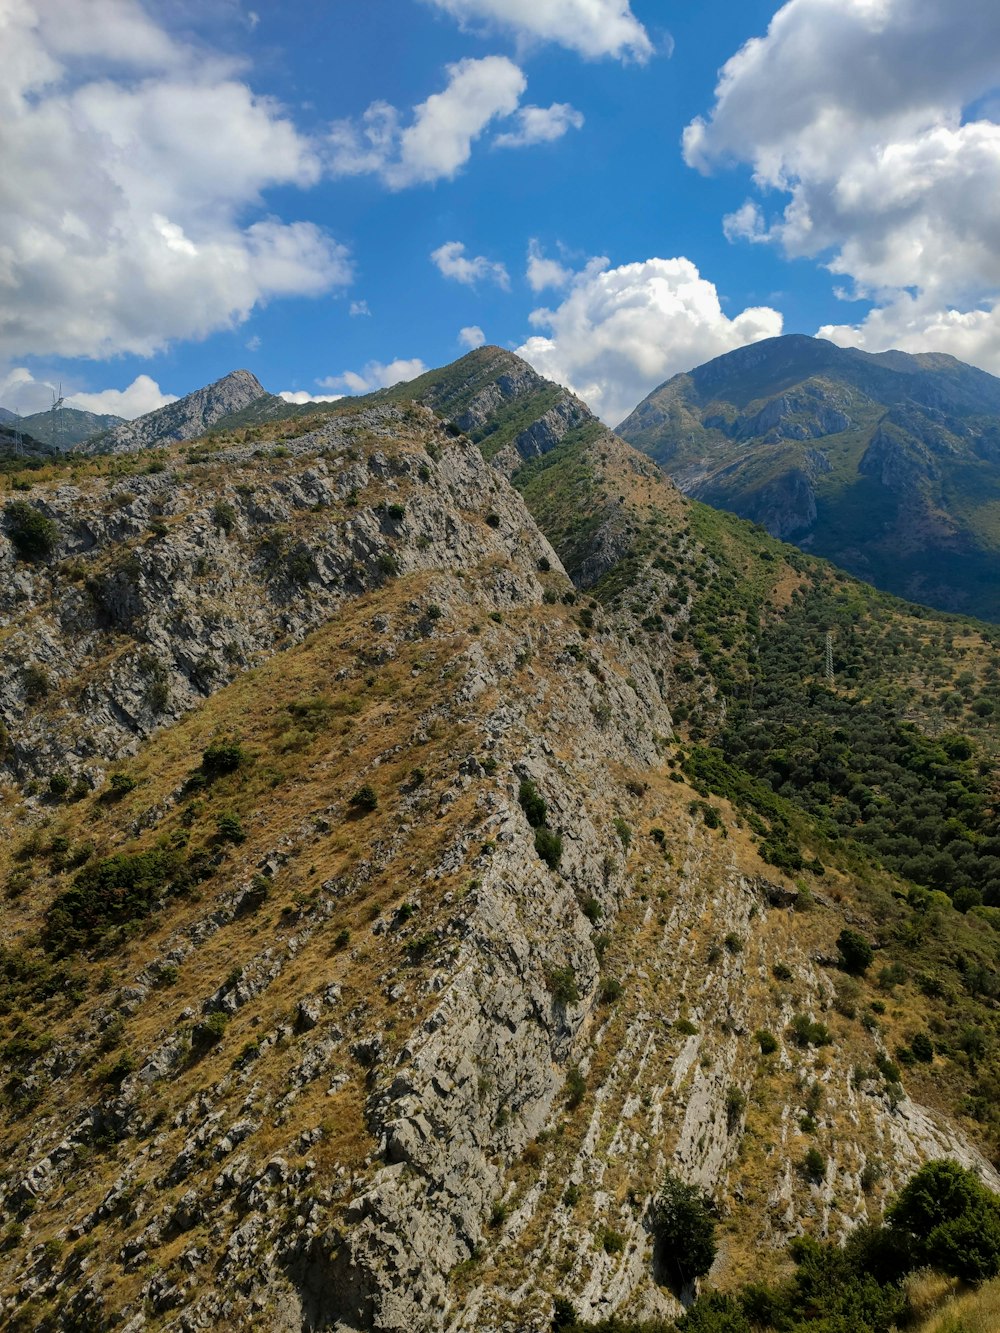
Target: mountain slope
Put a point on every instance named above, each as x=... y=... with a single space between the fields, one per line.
x=71 y=426
x=415 y=938
x=889 y=465
x=186 y=419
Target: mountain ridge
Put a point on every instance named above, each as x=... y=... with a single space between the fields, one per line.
x=487 y=844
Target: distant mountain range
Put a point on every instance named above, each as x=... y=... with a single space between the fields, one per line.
x=888 y=464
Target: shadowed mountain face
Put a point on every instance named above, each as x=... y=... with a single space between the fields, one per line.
x=889 y=465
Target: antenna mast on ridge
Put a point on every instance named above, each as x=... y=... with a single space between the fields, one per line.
x=57 y=402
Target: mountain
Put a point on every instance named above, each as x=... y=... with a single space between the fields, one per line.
x=186 y=419
x=887 y=464
x=409 y=857
x=72 y=426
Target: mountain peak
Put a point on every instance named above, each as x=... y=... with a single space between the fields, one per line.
x=185 y=419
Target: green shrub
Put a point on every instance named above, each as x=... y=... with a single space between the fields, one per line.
x=209 y=1031
x=592 y=910
x=549 y=846
x=624 y=832
x=856 y=952
x=532 y=803
x=576 y=1087
x=221 y=758
x=230 y=828
x=396 y=512
x=111 y=892
x=767 y=1041
x=59 y=784
x=35 y=681
x=32 y=534
x=561 y=982
x=683 y=1226
x=805 y=1032
x=733 y=943
x=365 y=798
x=120 y=784
x=814 y=1165
x=224 y=516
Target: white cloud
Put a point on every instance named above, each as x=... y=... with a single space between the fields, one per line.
x=376 y=375
x=452 y=262
x=541 y=124
x=868 y=116
x=358 y=308
x=590 y=27
x=438 y=141
x=300 y=396
x=21 y=392
x=141 y=396
x=471 y=336
x=622 y=331
x=542 y=272
x=123 y=223
x=253 y=344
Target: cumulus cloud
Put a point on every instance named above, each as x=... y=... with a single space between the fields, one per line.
x=592 y=28
x=21 y=392
x=868 y=116
x=123 y=224
x=471 y=336
x=375 y=375
x=620 y=332
x=540 y=124
x=358 y=308
x=451 y=261
x=543 y=272
x=438 y=141
x=300 y=396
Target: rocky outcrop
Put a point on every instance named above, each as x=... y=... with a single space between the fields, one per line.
x=162 y=588
x=185 y=419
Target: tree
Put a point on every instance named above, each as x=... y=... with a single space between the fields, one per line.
x=856 y=952
x=952 y=1222
x=684 y=1228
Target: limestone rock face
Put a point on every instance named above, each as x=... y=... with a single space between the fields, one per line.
x=186 y=419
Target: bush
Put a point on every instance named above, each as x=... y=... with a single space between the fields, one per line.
x=31 y=533
x=59 y=784
x=396 y=512
x=684 y=1229
x=814 y=1165
x=807 y=1033
x=532 y=803
x=576 y=1087
x=922 y=1048
x=220 y=758
x=950 y=1220
x=111 y=892
x=549 y=846
x=856 y=952
x=120 y=784
x=767 y=1041
x=209 y=1032
x=224 y=516
x=365 y=798
x=230 y=828
x=561 y=982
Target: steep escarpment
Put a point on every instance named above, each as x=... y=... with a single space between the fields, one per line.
x=371 y=974
x=885 y=464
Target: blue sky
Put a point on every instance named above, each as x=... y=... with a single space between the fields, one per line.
x=337 y=194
